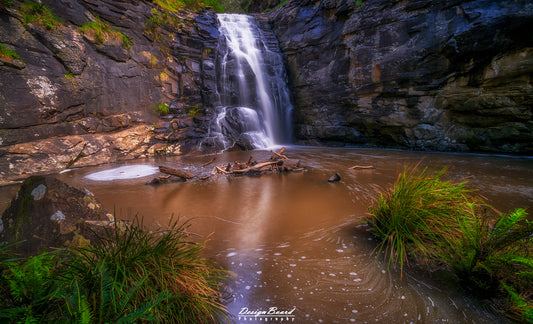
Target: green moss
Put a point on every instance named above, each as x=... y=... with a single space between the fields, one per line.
x=7 y=53
x=101 y=31
x=40 y=14
x=25 y=206
x=163 y=109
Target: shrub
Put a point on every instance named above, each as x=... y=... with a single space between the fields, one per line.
x=40 y=14
x=101 y=31
x=427 y=218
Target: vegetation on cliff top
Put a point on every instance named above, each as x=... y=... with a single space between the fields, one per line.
x=101 y=32
x=126 y=276
x=177 y=5
x=39 y=13
x=443 y=224
x=7 y=53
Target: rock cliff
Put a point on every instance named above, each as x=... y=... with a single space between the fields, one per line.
x=419 y=74
x=82 y=82
x=86 y=82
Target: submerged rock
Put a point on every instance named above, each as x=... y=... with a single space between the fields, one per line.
x=335 y=178
x=47 y=213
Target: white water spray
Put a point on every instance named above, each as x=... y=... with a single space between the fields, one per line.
x=254 y=99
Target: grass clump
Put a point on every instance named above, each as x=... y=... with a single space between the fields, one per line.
x=8 y=53
x=419 y=211
x=128 y=275
x=39 y=13
x=443 y=224
x=101 y=31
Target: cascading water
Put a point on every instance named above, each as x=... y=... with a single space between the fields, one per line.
x=254 y=108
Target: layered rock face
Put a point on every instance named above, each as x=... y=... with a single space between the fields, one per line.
x=419 y=74
x=73 y=97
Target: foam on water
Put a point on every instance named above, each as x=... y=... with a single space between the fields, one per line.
x=123 y=173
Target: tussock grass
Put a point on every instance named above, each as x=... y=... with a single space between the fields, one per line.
x=444 y=224
x=128 y=275
x=414 y=215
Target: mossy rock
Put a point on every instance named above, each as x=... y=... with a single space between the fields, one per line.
x=47 y=213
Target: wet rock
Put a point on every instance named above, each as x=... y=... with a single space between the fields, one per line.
x=55 y=154
x=335 y=178
x=70 y=100
x=48 y=214
x=425 y=75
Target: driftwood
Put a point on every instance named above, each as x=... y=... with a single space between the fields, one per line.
x=258 y=166
x=176 y=172
x=277 y=163
x=279 y=154
x=210 y=161
x=360 y=167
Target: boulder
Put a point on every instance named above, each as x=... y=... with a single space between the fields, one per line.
x=48 y=214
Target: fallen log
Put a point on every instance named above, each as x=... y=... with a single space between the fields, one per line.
x=357 y=167
x=176 y=172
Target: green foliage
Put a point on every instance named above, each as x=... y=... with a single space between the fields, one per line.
x=128 y=275
x=7 y=53
x=137 y=275
x=101 y=31
x=442 y=223
x=416 y=213
x=163 y=109
x=39 y=13
x=6 y=3
x=177 y=5
x=30 y=290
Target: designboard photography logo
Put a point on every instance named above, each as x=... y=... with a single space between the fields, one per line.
x=271 y=314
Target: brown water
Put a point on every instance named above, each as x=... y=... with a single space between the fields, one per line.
x=297 y=241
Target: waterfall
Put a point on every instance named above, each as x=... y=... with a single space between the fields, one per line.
x=254 y=102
